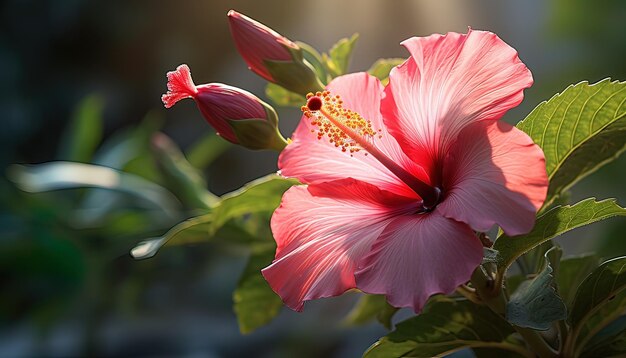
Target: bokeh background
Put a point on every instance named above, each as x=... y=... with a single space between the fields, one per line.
x=69 y=286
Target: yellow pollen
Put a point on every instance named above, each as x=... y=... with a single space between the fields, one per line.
x=330 y=115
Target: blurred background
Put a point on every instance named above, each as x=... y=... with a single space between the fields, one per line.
x=81 y=80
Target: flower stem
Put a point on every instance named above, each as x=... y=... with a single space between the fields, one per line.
x=496 y=300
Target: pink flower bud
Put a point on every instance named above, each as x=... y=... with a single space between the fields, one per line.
x=237 y=115
x=257 y=43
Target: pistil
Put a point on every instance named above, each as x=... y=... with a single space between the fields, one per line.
x=349 y=131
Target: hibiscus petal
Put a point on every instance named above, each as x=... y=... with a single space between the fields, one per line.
x=321 y=231
x=494 y=174
x=449 y=82
x=417 y=256
x=313 y=160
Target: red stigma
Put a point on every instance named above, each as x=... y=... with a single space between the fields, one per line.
x=314 y=103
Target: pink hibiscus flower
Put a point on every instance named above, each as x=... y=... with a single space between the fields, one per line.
x=400 y=179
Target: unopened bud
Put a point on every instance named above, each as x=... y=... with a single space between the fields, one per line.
x=272 y=56
x=236 y=115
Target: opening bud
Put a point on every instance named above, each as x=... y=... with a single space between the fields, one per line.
x=272 y=56
x=236 y=115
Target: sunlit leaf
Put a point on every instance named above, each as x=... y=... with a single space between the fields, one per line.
x=254 y=301
x=191 y=230
x=381 y=68
x=579 y=130
x=85 y=130
x=552 y=224
x=535 y=304
x=282 y=97
x=370 y=307
x=338 y=58
x=67 y=175
x=446 y=326
x=261 y=195
x=600 y=299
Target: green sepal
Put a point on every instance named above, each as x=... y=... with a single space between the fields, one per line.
x=297 y=75
x=259 y=133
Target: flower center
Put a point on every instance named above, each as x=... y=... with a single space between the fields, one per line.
x=352 y=133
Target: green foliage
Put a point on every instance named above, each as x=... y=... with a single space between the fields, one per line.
x=579 y=130
x=254 y=301
x=600 y=299
x=261 y=195
x=571 y=273
x=610 y=342
x=203 y=152
x=85 y=131
x=338 y=58
x=381 y=68
x=371 y=307
x=445 y=326
x=282 y=97
x=535 y=304
x=312 y=56
x=552 y=224
x=67 y=175
x=185 y=180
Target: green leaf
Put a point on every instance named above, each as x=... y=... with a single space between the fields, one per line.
x=445 y=326
x=283 y=98
x=67 y=175
x=572 y=272
x=600 y=299
x=338 y=58
x=552 y=224
x=85 y=131
x=579 y=130
x=610 y=342
x=381 y=68
x=261 y=195
x=203 y=152
x=535 y=304
x=371 y=307
x=191 y=230
x=254 y=301
x=183 y=179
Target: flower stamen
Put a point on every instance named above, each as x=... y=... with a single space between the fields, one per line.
x=352 y=133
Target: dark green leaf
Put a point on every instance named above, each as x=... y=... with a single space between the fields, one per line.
x=579 y=130
x=254 y=301
x=445 y=326
x=203 y=152
x=552 y=224
x=610 y=342
x=600 y=299
x=371 y=307
x=572 y=272
x=338 y=58
x=381 y=68
x=535 y=304
x=85 y=131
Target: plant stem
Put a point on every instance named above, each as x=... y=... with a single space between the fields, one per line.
x=495 y=299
